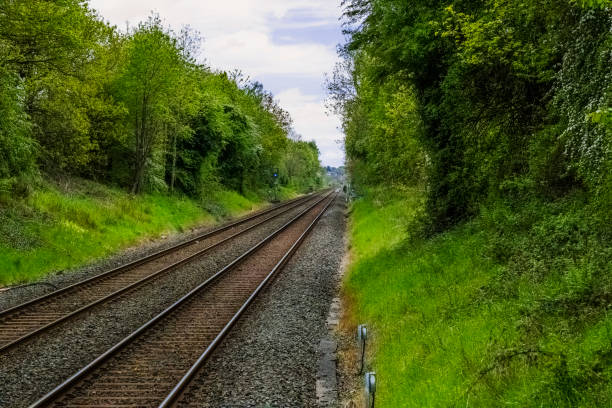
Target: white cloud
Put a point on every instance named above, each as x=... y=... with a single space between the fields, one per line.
x=256 y=52
x=238 y=34
x=217 y=17
x=313 y=123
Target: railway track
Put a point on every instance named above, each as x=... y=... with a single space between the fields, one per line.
x=31 y=318
x=154 y=365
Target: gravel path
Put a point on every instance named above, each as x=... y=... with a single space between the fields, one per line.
x=270 y=357
x=29 y=371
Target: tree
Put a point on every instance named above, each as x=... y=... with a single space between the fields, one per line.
x=491 y=98
x=151 y=71
x=51 y=46
x=17 y=149
x=79 y=97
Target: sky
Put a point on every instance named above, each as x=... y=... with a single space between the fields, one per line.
x=288 y=45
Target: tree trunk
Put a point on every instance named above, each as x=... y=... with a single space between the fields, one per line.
x=173 y=171
x=141 y=146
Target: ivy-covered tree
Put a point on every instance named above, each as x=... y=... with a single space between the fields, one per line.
x=17 y=149
x=491 y=98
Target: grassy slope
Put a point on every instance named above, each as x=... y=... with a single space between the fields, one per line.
x=57 y=228
x=511 y=309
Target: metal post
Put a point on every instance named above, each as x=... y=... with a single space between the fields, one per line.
x=370 y=389
x=362 y=334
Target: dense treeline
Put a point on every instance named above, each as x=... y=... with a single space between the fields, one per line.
x=500 y=114
x=478 y=98
x=134 y=109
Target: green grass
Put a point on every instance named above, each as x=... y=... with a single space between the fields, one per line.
x=59 y=228
x=509 y=310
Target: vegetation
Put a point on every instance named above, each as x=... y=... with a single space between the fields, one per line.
x=63 y=225
x=478 y=136
x=133 y=111
x=508 y=309
x=477 y=100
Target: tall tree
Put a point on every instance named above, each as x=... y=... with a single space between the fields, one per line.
x=502 y=97
x=51 y=46
x=152 y=68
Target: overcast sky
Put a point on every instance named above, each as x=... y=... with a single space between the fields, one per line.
x=287 y=45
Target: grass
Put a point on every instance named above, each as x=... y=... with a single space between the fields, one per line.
x=511 y=309
x=58 y=227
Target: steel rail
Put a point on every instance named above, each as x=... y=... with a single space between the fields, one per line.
x=185 y=380
x=72 y=380
x=149 y=277
x=151 y=257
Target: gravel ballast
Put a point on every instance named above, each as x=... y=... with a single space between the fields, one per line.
x=29 y=371
x=270 y=357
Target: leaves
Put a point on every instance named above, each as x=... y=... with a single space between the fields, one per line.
x=503 y=92
x=134 y=109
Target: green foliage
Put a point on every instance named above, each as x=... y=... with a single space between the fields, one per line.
x=502 y=93
x=584 y=95
x=302 y=167
x=151 y=72
x=499 y=111
x=594 y=3
x=133 y=108
x=49 y=46
x=17 y=149
x=509 y=309
x=239 y=141
x=382 y=135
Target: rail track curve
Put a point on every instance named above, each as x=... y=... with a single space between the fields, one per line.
x=29 y=319
x=153 y=365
